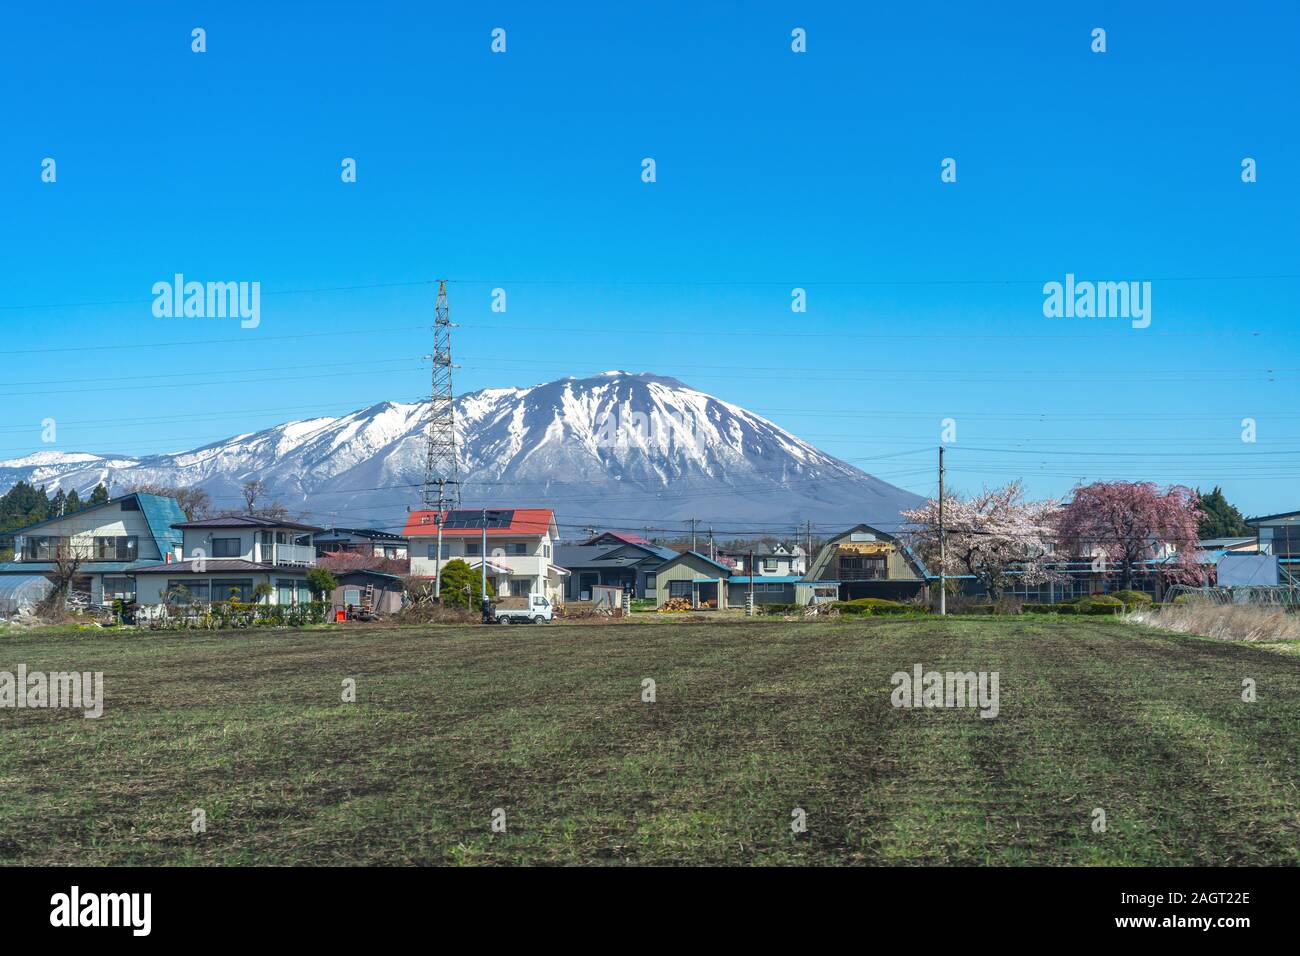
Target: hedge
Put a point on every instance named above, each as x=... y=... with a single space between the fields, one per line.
x=872 y=606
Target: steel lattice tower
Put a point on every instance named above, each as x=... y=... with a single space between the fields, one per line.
x=441 y=474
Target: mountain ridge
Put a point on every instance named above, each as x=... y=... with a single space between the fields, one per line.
x=616 y=449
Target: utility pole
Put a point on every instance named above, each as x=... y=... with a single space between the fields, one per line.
x=943 y=580
x=750 y=603
x=693 y=523
x=713 y=555
x=487 y=613
x=437 y=561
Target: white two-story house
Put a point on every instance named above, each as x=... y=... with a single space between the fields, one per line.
x=224 y=558
x=520 y=548
x=108 y=542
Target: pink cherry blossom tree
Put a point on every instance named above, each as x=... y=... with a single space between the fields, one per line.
x=996 y=535
x=1134 y=521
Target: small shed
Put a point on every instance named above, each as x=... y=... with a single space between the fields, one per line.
x=382 y=592
x=693 y=577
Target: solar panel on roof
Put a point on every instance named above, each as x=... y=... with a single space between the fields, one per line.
x=474 y=519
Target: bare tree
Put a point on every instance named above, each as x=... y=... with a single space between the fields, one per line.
x=67 y=561
x=252 y=491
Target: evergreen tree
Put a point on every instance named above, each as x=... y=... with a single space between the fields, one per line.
x=59 y=503
x=1221 y=519
x=461 y=585
x=99 y=496
x=73 y=502
x=23 y=504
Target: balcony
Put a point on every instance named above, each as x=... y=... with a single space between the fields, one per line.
x=863 y=574
x=298 y=555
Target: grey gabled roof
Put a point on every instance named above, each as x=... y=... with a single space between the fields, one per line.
x=244 y=521
x=707 y=560
x=362 y=533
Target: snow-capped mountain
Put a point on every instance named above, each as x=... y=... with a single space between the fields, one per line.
x=616 y=450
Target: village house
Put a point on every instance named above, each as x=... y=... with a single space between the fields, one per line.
x=228 y=557
x=694 y=577
x=520 y=556
x=110 y=542
x=629 y=563
x=1279 y=535
x=367 y=541
x=870 y=563
x=769 y=561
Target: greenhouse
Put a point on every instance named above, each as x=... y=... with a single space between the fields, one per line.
x=22 y=592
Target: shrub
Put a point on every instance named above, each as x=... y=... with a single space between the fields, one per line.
x=1100 y=604
x=777 y=609
x=1134 y=599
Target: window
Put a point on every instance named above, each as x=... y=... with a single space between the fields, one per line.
x=115 y=549
x=680 y=589
x=226 y=548
x=304 y=592
x=130 y=504
x=241 y=589
x=446 y=551
x=284 y=590
x=546 y=550
x=40 y=547
x=473 y=548
x=516 y=548
x=769 y=564
x=118 y=588
x=351 y=595
x=521 y=588
x=187 y=592
x=650 y=581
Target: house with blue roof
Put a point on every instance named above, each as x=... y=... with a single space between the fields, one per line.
x=110 y=541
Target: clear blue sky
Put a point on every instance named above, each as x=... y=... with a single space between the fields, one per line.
x=775 y=169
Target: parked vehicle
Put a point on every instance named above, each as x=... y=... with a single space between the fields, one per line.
x=535 y=609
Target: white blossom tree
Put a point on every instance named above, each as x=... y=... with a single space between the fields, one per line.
x=996 y=535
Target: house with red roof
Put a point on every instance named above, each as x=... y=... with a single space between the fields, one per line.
x=517 y=546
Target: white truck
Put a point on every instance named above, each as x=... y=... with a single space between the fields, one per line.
x=535 y=609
